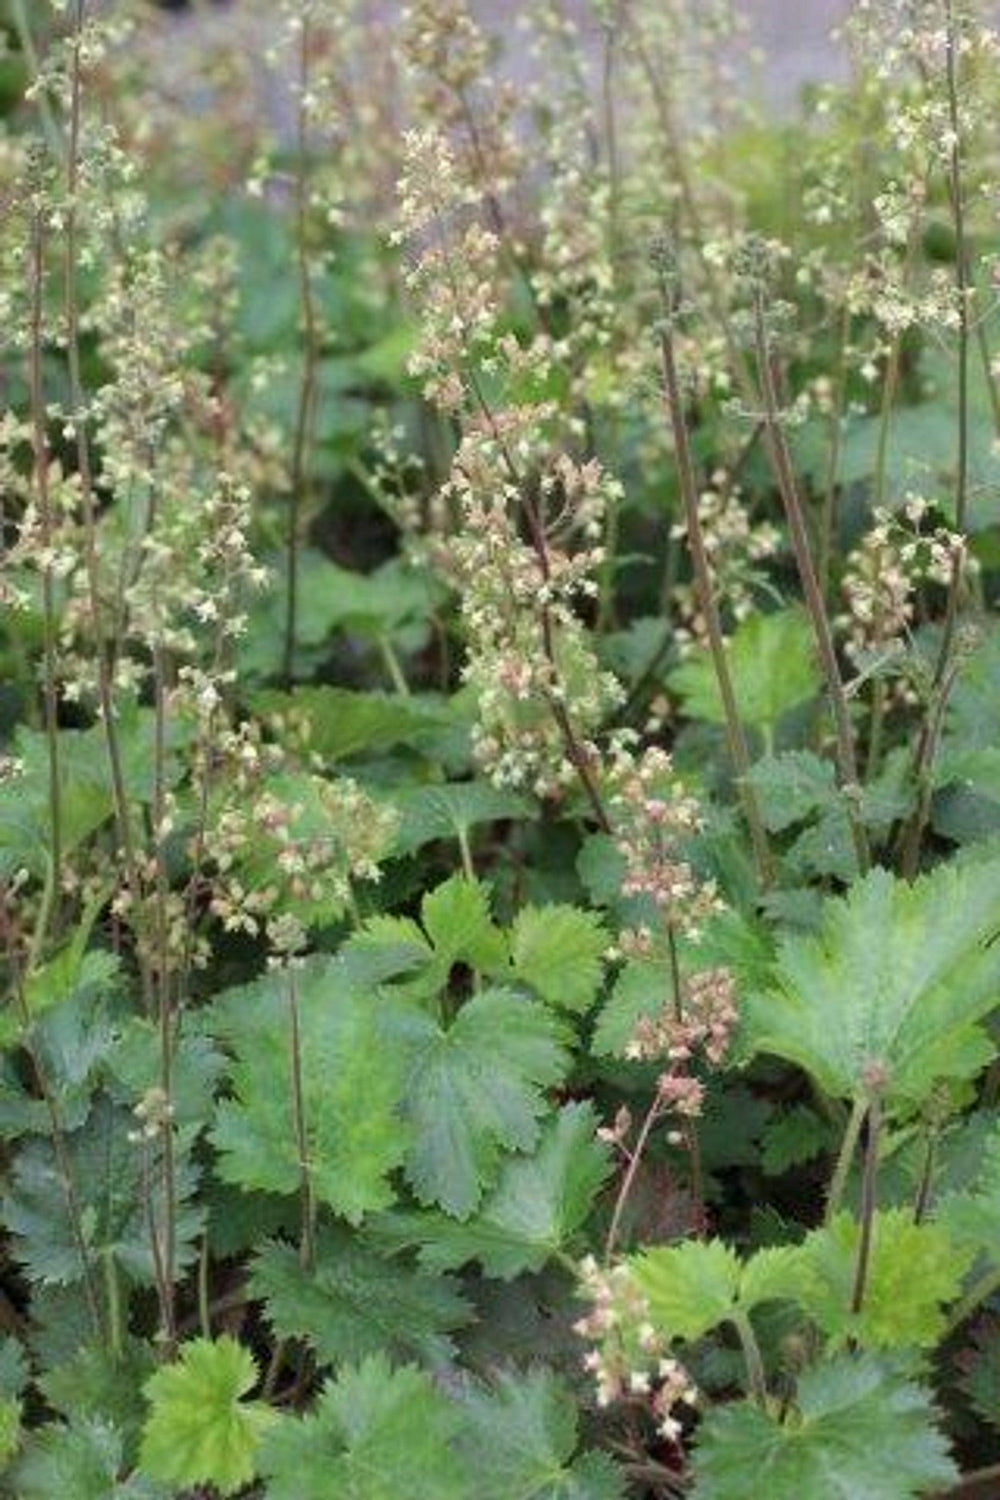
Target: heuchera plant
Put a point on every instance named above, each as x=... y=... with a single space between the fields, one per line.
x=499 y=891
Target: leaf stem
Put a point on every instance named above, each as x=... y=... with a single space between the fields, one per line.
x=756 y=1378
x=845 y=1156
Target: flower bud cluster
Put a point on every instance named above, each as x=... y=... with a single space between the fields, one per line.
x=884 y=573
x=735 y=546
x=630 y=1358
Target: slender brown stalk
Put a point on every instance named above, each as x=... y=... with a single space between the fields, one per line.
x=310 y=358
x=961 y=266
x=78 y=419
x=653 y=1114
x=40 y=447
x=736 y=739
x=307 y=1247
x=869 y=1185
x=815 y=604
x=163 y=997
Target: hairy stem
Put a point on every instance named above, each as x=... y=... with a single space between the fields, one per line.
x=815 y=603
x=869 y=1185
x=736 y=739
x=310 y=358
x=307 y=1247
x=845 y=1156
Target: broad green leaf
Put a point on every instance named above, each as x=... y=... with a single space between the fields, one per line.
x=450 y=810
x=83 y=1459
x=100 y=1385
x=773 y=667
x=457 y=919
x=886 y=986
x=86 y=798
x=344 y=723
x=528 y=1426
x=791 y=787
x=354 y=1303
x=690 y=1287
x=376 y=1434
x=973 y=1216
x=474 y=1090
x=557 y=950
x=980 y=1378
x=858 y=1431
x=352 y=1086
x=537 y=1206
x=111 y=1198
x=641 y=990
x=914 y=1270
x=199 y=1429
x=793 y=1135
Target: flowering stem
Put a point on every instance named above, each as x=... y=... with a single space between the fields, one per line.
x=652 y=1115
x=815 y=604
x=79 y=422
x=40 y=446
x=310 y=358
x=961 y=267
x=736 y=739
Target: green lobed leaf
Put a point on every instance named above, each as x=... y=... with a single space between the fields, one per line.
x=352 y=1077
x=886 y=984
x=354 y=1303
x=914 y=1271
x=791 y=787
x=690 y=1287
x=474 y=1090
x=82 y=1459
x=528 y=1426
x=773 y=667
x=558 y=951
x=450 y=810
x=859 y=1431
x=111 y=1197
x=537 y=1206
x=376 y=1434
x=199 y=1429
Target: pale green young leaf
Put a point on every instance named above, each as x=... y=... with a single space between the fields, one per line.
x=457 y=919
x=200 y=1430
x=474 y=1090
x=376 y=1434
x=344 y=722
x=535 y=1209
x=887 y=985
x=354 y=1303
x=557 y=950
x=352 y=1088
x=914 y=1271
x=690 y=1287
x=528 y=1426
x=859 y=1431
